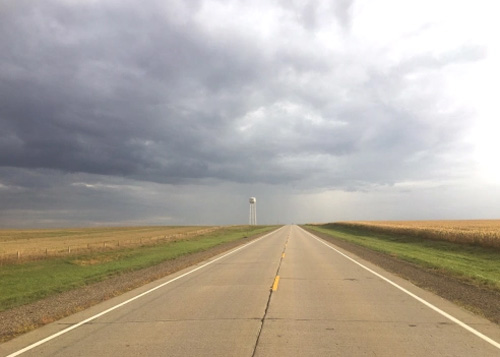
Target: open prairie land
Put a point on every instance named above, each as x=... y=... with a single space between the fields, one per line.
x=485 y=233
x=21 y=244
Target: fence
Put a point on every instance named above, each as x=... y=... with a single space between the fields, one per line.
x=22 y=255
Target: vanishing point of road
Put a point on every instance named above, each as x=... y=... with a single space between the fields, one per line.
x=286 y=294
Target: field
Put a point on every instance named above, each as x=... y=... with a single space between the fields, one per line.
x=484 y=233
x=448 y=247
x=25 y=281
x=23 y=245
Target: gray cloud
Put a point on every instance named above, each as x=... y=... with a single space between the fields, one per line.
x=144 y=92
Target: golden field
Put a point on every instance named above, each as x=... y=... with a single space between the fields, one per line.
x=479 y=232
x=37 y=243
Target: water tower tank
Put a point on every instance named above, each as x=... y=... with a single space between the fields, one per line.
x=253 y=200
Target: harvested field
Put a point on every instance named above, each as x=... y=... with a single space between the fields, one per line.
x=484 y=233
x=24 y=245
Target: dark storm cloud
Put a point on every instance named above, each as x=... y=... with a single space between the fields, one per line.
x=114 y=91
x=147 y=92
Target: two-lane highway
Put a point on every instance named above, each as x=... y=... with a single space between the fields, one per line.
x=286 y=294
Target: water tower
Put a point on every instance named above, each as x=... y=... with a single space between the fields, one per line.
x=253 y=211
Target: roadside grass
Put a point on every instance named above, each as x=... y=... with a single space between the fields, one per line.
x=34 y=280
x=484 y=232
x=32 y=244
x=475 y=264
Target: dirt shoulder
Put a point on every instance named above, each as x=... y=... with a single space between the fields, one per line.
x=480 y=300
x=28 y=317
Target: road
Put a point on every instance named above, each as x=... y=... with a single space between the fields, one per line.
x=286 y=294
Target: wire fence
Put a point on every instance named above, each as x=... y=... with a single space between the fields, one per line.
x=23 y=255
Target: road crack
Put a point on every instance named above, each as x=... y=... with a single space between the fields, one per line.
x=262 y=320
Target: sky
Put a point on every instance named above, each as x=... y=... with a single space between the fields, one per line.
x=121 y=112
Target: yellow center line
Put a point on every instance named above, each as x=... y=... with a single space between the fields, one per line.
x=277 y=278
x=276 y=282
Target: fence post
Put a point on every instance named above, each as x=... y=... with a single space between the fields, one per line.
x=69 y=249
x=18 y=255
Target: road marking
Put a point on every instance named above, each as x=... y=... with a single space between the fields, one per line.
x=276 y=282
x=425 y=302
x=66 y=330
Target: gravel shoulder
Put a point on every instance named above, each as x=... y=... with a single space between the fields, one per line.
x=22 y=319
x=480 y=300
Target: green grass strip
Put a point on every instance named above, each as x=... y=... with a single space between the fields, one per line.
x=476 y=264
x=24 y=283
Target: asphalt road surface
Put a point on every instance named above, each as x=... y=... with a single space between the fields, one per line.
x=286 y=294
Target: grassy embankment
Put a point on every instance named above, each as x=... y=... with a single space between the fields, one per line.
x=467 y=260
x=29 y=281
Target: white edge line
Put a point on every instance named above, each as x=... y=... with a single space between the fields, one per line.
x=66 y=330
x=426 y=303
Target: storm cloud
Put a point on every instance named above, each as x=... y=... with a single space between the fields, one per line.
x=222 y=98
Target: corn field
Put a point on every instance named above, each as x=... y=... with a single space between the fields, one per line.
x=485 y=233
